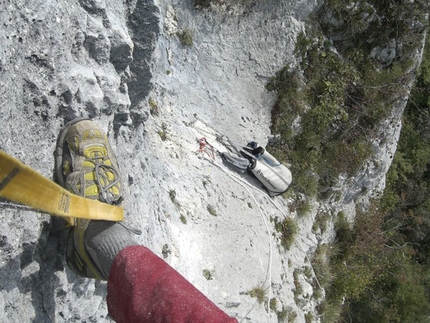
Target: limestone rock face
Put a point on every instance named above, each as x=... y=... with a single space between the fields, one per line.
x=122 y=63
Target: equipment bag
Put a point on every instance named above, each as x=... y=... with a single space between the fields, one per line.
x=237 y=163
x=274 y=176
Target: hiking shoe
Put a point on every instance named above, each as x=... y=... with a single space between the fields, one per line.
x=86 y=165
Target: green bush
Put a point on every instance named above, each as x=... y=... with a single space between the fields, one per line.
x=202 y=3
x=288 y=230
x=340 y=93
x=260 y=293
x=287 y=315
x=377 y=269
x=330 y=139
x=321 y=265
x=186 y=37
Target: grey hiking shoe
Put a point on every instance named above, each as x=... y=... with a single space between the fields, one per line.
x=86 y=165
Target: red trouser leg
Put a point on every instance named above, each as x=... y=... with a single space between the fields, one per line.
x=144 y=288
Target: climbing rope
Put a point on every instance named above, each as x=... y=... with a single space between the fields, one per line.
x=245 y=185
x=203 y=144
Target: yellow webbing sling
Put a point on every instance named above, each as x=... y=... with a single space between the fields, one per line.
x=20 y=183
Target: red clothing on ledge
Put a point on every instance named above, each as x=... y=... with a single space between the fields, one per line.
x=143 y=288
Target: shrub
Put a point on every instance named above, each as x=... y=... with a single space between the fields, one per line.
x=399 y=293
x=329 y=109
x=259 y=293
x=186 y=37
x=162 y=135
x=321 y=222
x=163 y=132
x=330 y=105
x=309 y=317
x=202 y=3
x=288 y=230
x=153 y=108
x=329 y=312
x=207 y=274
x=287 y=315
x=273 y=304
x=321 y=265
x=212 y=211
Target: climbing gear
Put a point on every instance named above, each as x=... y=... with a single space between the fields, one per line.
x=240 y=163
x=274 y=176
x=21 y=184
x=86 y=165
x=205 y=147
x=235 y=162
x=252 y=144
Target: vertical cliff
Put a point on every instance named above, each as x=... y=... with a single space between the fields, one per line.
x=157 y=75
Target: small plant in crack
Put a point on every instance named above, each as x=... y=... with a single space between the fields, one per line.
x=288 y=230
x=153 y=108
x=207 y=274
x=172 y=195
x=211 y=210
x=186 y=37
x=260 y=293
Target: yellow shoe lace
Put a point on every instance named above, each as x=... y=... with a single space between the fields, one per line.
x=102 y=175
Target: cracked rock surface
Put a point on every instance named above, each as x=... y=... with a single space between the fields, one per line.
x=123 y=64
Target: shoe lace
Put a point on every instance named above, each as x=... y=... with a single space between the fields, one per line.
x=103 y=182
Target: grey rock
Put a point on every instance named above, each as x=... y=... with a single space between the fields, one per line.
x=386 y=55
x=122 y=64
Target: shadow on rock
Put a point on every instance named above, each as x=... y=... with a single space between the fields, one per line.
x=33 y=272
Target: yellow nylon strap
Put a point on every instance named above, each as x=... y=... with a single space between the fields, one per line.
x=20 y=183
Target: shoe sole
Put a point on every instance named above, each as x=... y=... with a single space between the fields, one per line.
x=80 y=262
x=58 y=153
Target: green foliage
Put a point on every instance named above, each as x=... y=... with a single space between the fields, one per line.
x=329 y=312
x=309 y=317
x=287 y=315
x=166 y=251
x=172 y=195
x=202 y=3
x=183 y=219
x=321 y=222
x=331 y=139
x=207 y=274
x=304 y=208
x=153 y=108
x=367 y=24
x=259 y=293
x=288 y=230
x=163 y=132
x=212 y=211
x=407 y=194
x=329 y=109
x=300 y=205
x=186 y=37
x=321 y=265
x=382 y=267
x=398 y=296
x=273 y=304
x=298 y=290
x=330 y=105
x=372 y=272
x=363 y=256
